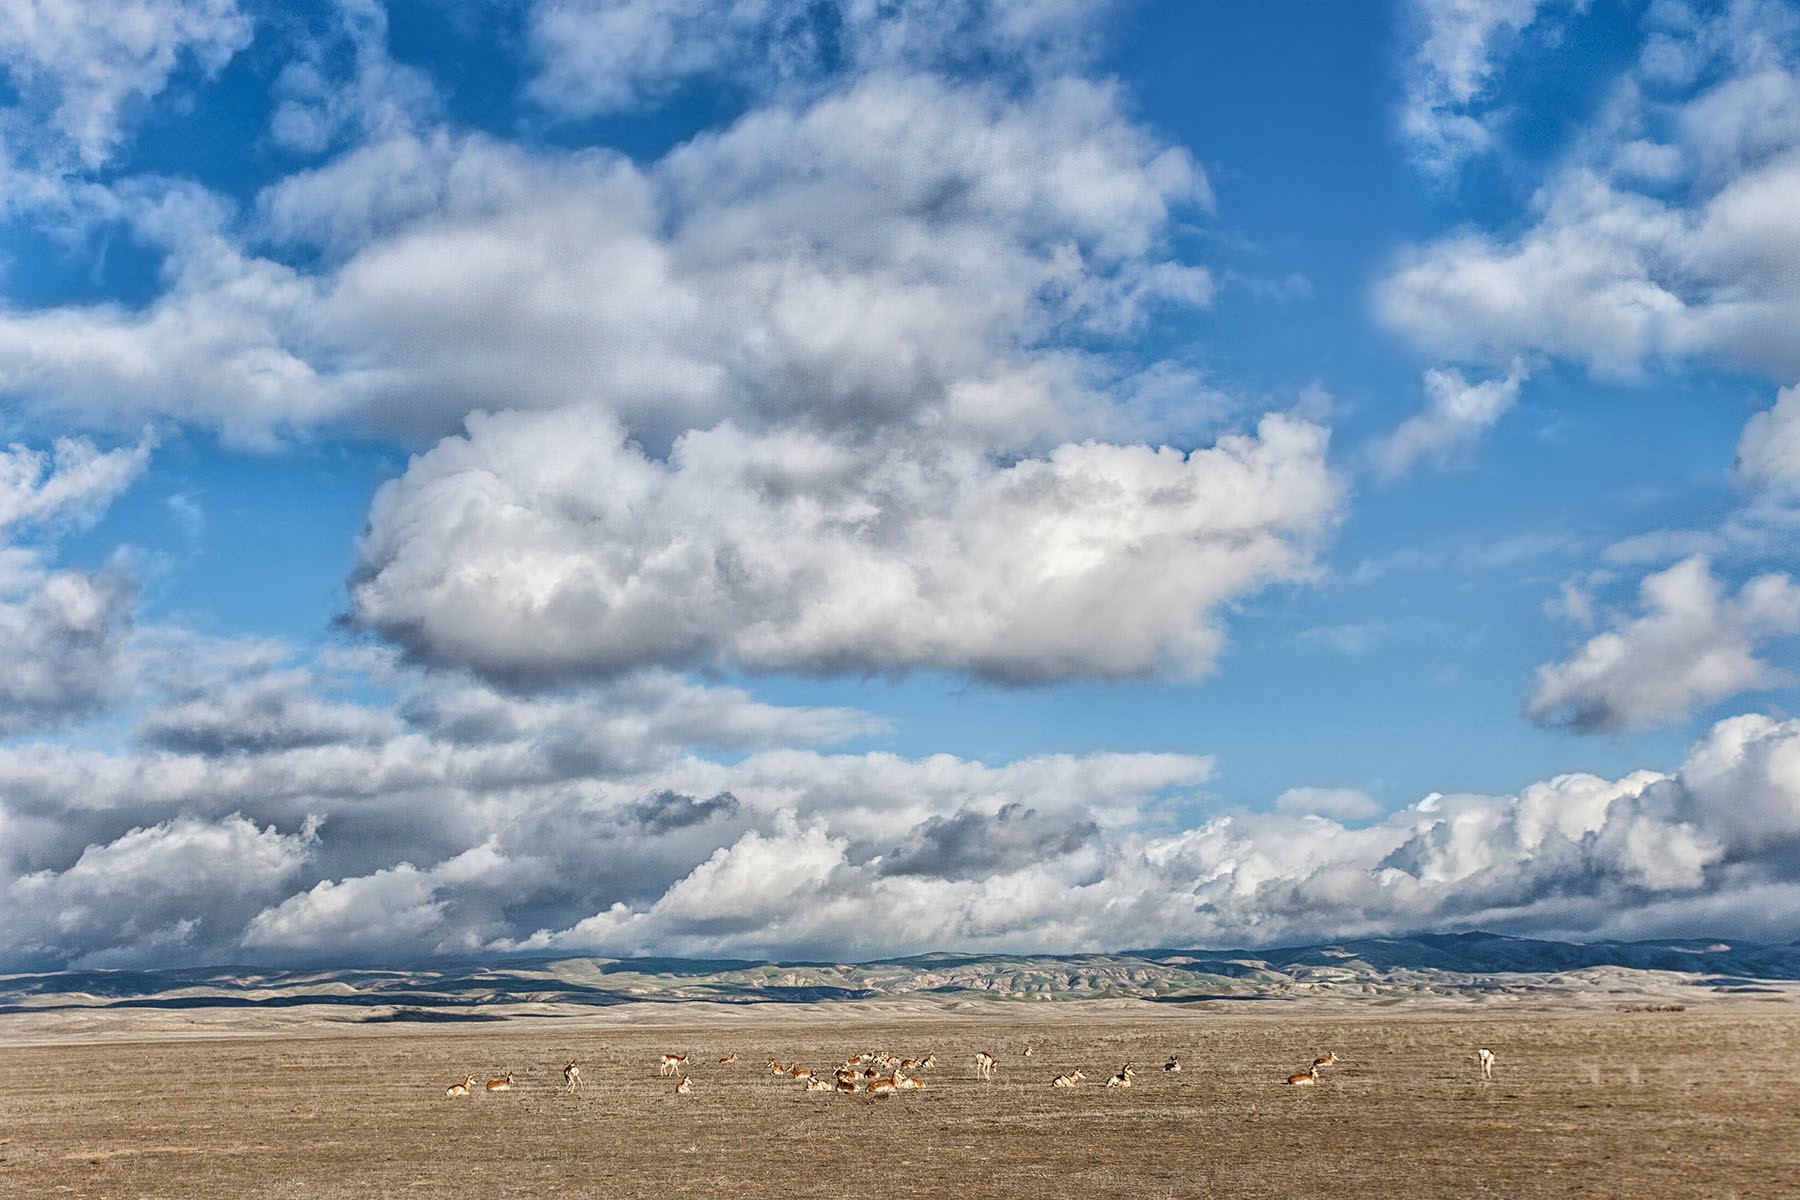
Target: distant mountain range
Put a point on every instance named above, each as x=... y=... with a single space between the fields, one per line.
x=1432 y=965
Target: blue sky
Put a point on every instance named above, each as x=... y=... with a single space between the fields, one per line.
x=658 y=476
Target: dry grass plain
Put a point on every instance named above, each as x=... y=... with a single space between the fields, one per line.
x=1698 y=1103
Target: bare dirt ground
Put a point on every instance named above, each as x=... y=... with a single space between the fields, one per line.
x=1652 y=1104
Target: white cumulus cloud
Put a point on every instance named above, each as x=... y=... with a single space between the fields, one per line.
x=1667 y=236
x=546 y=546
x=1457 y=413
x=1460 y=45
x=1693 y=645
x=79 y=67
x=1768 y=455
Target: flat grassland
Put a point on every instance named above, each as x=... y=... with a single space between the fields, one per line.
x=1653 y=1104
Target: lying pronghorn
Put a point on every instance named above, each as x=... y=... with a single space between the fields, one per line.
x=672 y=1063
x=729 y=1058
x=777 y=1068
x=502 y=1084
x=906 y=1082
x=460 y=1089
x=684 y=1087
x=823 y=1085
x=1485 y=1059
x=1330 y=1059
x=1305 y=1078
x=1173 y=1065
x=882 y=1087
x=1069 y=1080
x=1123 y=1078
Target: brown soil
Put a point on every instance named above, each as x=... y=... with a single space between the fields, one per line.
x=1691 y=1104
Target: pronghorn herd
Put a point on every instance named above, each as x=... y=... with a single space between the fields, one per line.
x=875 y=1073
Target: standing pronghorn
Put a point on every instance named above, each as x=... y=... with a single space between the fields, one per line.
x=460 y=1089
x=1330 y=1059
x=1122 y=1079
x=502 y=1084
x=684 y=1087
x=1305 y=1078
x=672 y=1063
x=571 y=1077
x=986 y=1064
x=1069 y=1080
x=1484 y=1058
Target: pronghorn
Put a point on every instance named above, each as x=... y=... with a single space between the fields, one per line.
x=684 y=1087
x=729 y=1058
x=777 y=1068
x=1173 y=1065
x=911 y=1064
x=460 y=1089
x=1028 y=1050
x=1122 y=1079
x=804 y=1073
x=1330 y=1059
x=1485 y=1059
x=905 y=1082
x=1305 y=1078
x=1069 y=1080
x=846 y=1086
x=986 y=1064
x=882 y=1087
x=571 y=1077
x=672 y=1063
x=928 y=1062
x=823 y=1085
x=503 y=1084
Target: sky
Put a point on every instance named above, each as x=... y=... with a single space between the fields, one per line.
x=840 y=479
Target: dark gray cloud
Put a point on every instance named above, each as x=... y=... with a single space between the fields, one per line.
x=65 y=635
x=666 y=811
x=280 y=711
x=974 y=844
